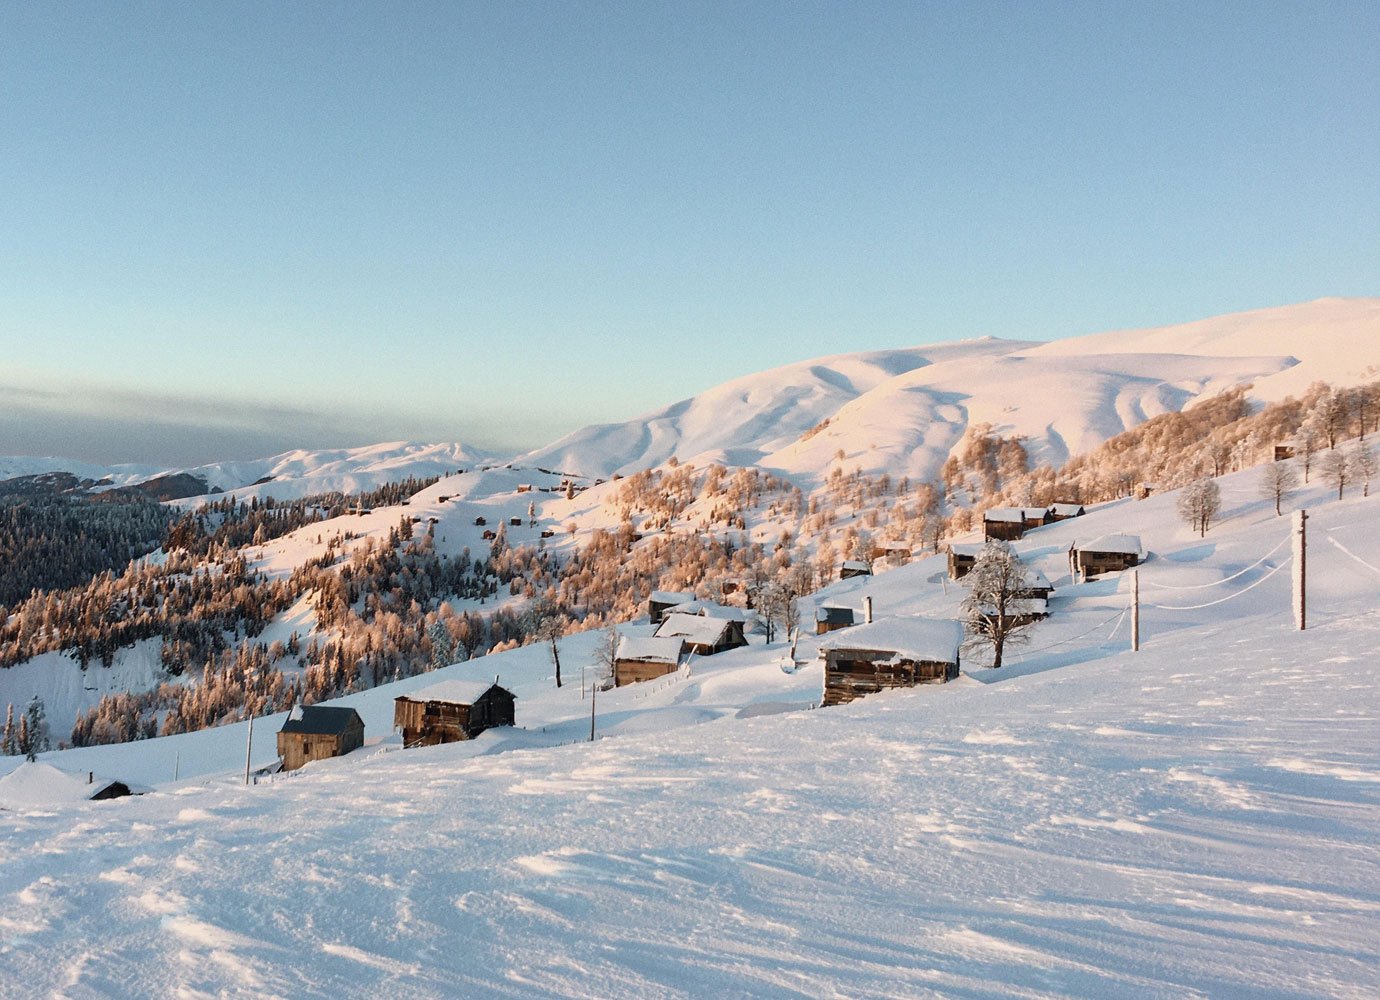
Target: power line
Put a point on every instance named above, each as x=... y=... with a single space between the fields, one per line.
x=1226 y=579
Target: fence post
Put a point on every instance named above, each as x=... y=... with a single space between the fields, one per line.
x=1301 y=569
x=1135 y=610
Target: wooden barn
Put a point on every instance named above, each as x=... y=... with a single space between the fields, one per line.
x=1064 y=511
x=703 y=635
x=1037 y=588
x=831 y=619
x=854 y=567
x=318 y=732
x=897 y=652
x=1108 y=554
x=643 y=658
x=450 y=711
x=1006 y=523
x=662 y=601
x=962 y=556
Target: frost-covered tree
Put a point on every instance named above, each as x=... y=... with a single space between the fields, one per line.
x=442 y=645
x=1199 y=503
x=1336 y=469
x=1364 y=466
x=9 y=742
x=991 y=609
x=35 y=729
x=1277 y=481
x=605 y=654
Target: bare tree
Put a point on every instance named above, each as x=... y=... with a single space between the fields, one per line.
x=992 y=611
x=605 y=654
x=547 y=625
x=1336 y=469
x=1306 y=446
x=1199 y=503
x=1277 y=482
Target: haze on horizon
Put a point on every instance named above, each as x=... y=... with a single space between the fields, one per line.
x=233 y=230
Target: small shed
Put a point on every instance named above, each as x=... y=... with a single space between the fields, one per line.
x=1064 y=511
x=453 y=710
x=524 y=487
x=645 y=658
x=515 y=522
x=38 y=784
x=489 y=535
x=831 y=619
x=548 y=532
x=962 y=556
x=703 y=635
x=855 y=567
x=1108 y=554
x=1283 y=451
x=898 y=652
x=318 y=732
x=480 y=521
x=662 y=601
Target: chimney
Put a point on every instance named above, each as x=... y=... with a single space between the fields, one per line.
x=90 y=777
x=867 y=610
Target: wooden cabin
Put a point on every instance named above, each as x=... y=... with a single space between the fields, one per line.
x=524 y=487
x=548 y=532
x=515 y=522
x=1037 y=588
x=1144 y=491
x=1005 y=523
x=489 y=535
x=37 y=783
x=854 y=567
x=318 y=732
x=703 y=635
x=643 y=658
x=662 y=601
x=450 y=711
x=1283 y=451
x=479 y=522
x=962 y=557
x=894 y=653
x=1064 y=511
x=1108 y=554
x=711 y=608
x=831 y=619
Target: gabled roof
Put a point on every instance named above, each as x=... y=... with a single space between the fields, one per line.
x=38 y=784
x=698 y=630
x=835 y=616
x=967 y=550
x=1011 y=515
x=1067 y=509
x=320 y=720
x=858 y=564
x=1035 y=580
x=909 y=637
x=1119 y=543
x=671 y=596
x=650 y=649
x=710 y=608
x=453 y=692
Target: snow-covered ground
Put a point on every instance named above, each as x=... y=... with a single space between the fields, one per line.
x=1201 y=818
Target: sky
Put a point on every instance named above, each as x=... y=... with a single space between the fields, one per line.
x=231 y=229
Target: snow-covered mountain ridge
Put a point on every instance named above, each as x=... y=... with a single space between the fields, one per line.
x=897 y=411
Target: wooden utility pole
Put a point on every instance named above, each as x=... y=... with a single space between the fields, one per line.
x=1301 y=569
x=248 y=749
x=1135 y=610
x=593 y=698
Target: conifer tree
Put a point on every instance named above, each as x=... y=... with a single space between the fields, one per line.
x=9 y=742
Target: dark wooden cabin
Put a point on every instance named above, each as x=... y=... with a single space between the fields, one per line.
x=318 y=732
x=1005 y=523
x=703 y=635
x=1108 y=554
x=831 y=619
x=962 y=557
x=1283 y=451
x=450 y=711
x=489 y=535
x=854 y=567
x=662 y=601
x=643 y=658
x=479 y=522
x=1064 y=511
x=894 y=653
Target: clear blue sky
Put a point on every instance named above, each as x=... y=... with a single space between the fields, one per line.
x=226 y=229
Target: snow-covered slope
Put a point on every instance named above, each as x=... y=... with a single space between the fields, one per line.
x=902 y=411
x=741 y=421
x=1197 y=819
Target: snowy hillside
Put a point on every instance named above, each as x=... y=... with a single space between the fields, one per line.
x=1200 y=818
x=901 y=412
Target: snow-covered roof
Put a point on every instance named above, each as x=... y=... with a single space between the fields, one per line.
x=910 y=637
x=34 y=783
x=651 y=649
x=711 y=609
x=1129 y=544
x=455 y=692
x=1036 y=580
x=970 y=550
x=1066 y=509
x=1005 y=514
x=861 y=564
x=320 y=719
x=835 y=616
x=671 y=596
x=700 y=630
